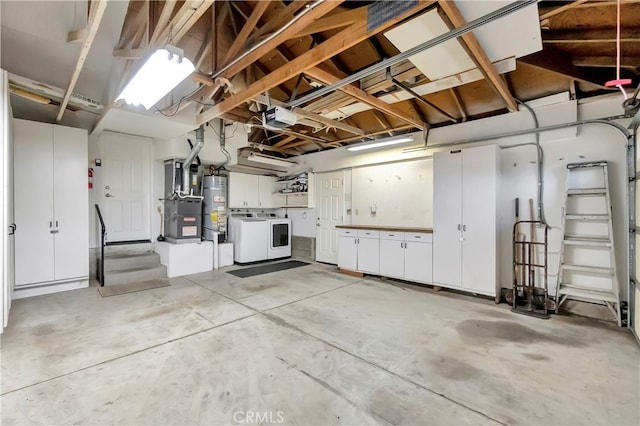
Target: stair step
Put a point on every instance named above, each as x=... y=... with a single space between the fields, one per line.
x=597 y=217
x=587 y=293
x=591 y=269
x=587 y=242
x=123 y=261
x=587 y=191
x=135 y=274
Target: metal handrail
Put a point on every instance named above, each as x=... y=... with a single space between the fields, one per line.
x=103 y=233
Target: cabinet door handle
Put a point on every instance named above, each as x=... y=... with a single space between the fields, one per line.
x=459 y=227
x=12 y=228
x=53 y=231
x=50 y=224
x=56 y=223
x=464 y=227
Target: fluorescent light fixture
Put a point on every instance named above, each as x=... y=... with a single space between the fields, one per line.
x=163 y=71
x=266 y=159
x=380 y=142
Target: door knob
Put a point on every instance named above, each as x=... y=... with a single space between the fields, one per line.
x=109 y=195
x=107 y=187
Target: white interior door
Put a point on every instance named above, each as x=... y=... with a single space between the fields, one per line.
x=71 y=204
x=6 y=200
x=447 y=218
x=33 y=185
x=330 y=211
x=479 y=216
x=126 y=186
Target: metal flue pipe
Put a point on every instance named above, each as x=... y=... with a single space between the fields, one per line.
x=186 y=167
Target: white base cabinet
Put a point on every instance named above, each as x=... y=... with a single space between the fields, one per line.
x=358 y=250
x=465 y=219
x=402 y=255
x=406 y=255
x=51 y=208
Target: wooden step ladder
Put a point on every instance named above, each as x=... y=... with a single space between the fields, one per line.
x=587 y=227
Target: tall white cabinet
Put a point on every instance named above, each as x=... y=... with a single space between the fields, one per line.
x=465 y=219
x=51 y=208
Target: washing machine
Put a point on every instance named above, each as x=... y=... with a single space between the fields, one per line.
x=250 y=237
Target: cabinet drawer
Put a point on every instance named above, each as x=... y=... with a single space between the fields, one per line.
x=366 y=233
x=347 y=232
x=418 y=236
x=391 y=235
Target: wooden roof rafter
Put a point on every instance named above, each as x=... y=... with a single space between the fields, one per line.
x=340 y=42
x=478 y=55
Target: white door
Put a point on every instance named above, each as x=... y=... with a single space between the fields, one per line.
x=392 y=258
x=369 y=255
x=33 y=185
x=71 y=204
x=447 y=218
x=6 y=202
x=126 y=186
x=479 y=186
x=330 y=207
x=348 y=250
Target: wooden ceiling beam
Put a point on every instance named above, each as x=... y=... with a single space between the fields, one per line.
x=342 y=41
x=337 y=20
x=322 y=74
x=557 y=10
x=256 y=54
x=606 y=61
x=181 y=23
x=279 y=19
x=479 y=56
x=249 y=26
x=96 y=13
x=284 y=141
x=590 y=36
x=163 y=20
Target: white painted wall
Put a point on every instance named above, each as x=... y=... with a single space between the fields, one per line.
x=401 y=192
x=591 y=142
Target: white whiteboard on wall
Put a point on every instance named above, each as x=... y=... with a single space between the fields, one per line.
x=400 y=193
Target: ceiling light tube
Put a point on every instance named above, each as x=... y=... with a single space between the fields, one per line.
x=380 y=143
x=266 y=159
x=162 y=72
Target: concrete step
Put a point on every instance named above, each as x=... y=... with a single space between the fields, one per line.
x=121 y=261
x=134 y=274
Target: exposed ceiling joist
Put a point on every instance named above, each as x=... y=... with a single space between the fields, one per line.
x=340 y=42
x=279 y=19
x=95 y=17
x=181 y=23
x=163 y=20
x=338 y=20
x=561 y=9
x=249 y=26
x=606 y=61
x=590 y=36
x=319 y=11
x=323 y=75
x=479 y=56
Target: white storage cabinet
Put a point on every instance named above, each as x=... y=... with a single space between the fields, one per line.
x=250 y=191
x=465 y=219
x=51 y=208
x=359 y=250
x=406 y=255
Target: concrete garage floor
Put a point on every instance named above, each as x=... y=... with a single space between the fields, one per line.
x=308 y=346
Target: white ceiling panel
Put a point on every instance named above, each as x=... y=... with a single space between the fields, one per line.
x=517 y=34
x=440 y=61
